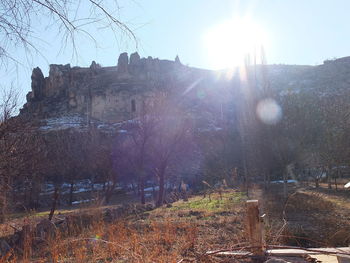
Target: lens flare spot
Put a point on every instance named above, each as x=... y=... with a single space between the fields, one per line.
x=269 y=111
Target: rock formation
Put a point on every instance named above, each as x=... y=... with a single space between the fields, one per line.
x=108 y=94
x=113 y=94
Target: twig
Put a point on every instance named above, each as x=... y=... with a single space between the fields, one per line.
x=15 y=228
x=278 y=235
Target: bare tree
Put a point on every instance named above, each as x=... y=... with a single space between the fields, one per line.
x=171 y=140
x=141 y=138
x=9 y=103
x=8 y=106
x=21 y=21
x=18 y=145
x=135 y=146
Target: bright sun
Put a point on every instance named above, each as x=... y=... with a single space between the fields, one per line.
x=228 y=43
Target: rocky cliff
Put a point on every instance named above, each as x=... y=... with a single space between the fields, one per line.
x=115 y=94
x=105 y=93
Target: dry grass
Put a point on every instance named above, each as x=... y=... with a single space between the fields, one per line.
x=123 y=242
x=184 y=231
x=313 y=219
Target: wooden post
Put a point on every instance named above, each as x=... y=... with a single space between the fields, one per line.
x=255 y=228
x=26 y=241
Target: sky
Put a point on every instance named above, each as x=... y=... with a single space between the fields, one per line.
x=303 y=32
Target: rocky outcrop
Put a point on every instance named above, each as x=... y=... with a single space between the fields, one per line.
x=38 y=85
x=103 y=93
x=113 y=94
x=123 y=62
x=177 y=60
x=134 y=59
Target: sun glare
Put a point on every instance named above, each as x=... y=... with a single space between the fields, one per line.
x=227 y=44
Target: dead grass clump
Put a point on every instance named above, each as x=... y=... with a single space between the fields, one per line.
x=163 y=241
x=303 y=201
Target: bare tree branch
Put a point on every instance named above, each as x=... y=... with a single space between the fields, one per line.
x=19 y=28
x=8 y=104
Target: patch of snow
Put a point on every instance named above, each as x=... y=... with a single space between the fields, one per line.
x=101 y=126
x=64 y=122
x=282 y=181
x=347 y=185
x=81 y=190
x=80 y=186
x=148 y=189
x=82 y=201
x=340 y=167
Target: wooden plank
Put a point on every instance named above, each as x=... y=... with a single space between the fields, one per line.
x=230 y=253
x=340 y=252
x=308 y=251
x=255 y=228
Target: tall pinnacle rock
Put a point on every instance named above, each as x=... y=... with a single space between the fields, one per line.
x=123 y=62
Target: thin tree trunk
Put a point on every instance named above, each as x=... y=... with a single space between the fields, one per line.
x=37 y=199
x=30 y=196
x=54 y=203
x=92 y=189
x=335 y=179
x=71 y=190
x=335 y=183
x=161 y=191
x=246 y=176
x=285 y=186
x=142 y=190
x=160 y=200
x=266 y=176
x=3 y=198
x=329 y=178
x=3 y=206
x=109 y=191
x=134 y=189
x=139 y=187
